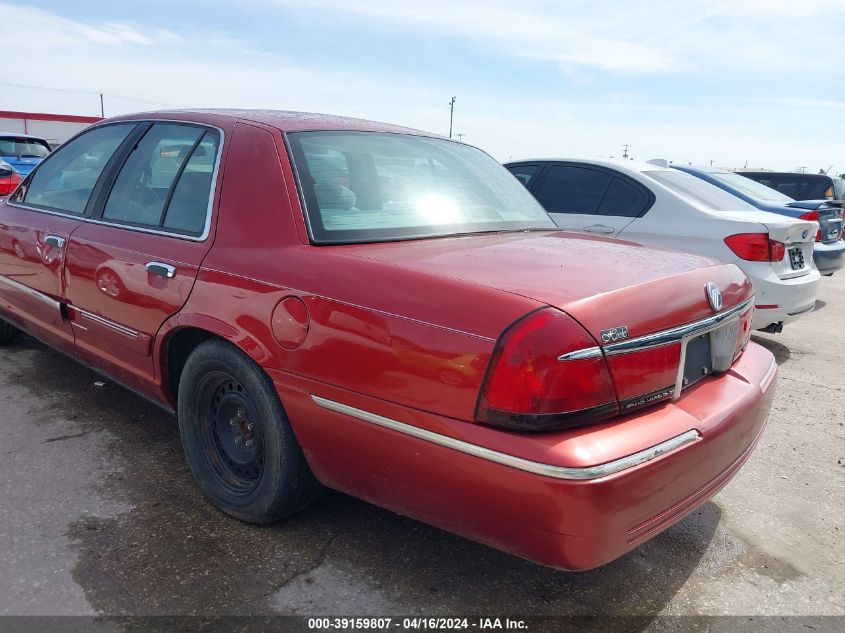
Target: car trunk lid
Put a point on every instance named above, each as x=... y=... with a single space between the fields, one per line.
x=601 y=282
x=624 y=294
x=827 y=213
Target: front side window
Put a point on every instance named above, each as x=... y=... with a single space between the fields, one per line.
x=64 y=181
x=371 y=186
x=166 y=180
x=569 y=189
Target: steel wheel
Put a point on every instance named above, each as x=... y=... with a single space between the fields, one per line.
x=230 y=433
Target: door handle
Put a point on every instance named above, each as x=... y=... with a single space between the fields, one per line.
x=602 y=229
x=55 y=241
x=161 y=269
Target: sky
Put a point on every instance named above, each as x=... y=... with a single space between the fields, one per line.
x=744 y=82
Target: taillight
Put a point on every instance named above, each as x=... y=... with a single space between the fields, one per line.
x=9 y=183
x=813 y=216
x=756 y=247
x=528 y=388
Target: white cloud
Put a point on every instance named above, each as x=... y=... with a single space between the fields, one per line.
x=152 y=64
x=646 y=37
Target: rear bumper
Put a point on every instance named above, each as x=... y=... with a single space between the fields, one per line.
x=829 y=258
x=781 y=300
x=549 y=518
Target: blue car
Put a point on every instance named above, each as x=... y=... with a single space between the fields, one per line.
x=829 y=250
x=23 y=152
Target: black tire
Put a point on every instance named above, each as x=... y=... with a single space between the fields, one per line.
x=227 y=401
x=8 y=332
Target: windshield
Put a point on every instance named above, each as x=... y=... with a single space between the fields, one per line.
x=699 y=191
x=20 y=147
x=370 y=187
x=751 y=187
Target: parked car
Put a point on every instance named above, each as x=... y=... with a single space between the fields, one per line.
x=800 y=186
x=23 y=152
x=829 y=250
x=388 y=313
x=661 y=206
x=9 y=178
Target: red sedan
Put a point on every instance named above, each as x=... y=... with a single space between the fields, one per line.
x=391 y=314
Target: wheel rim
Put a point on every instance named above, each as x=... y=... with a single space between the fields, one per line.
x=230 y=433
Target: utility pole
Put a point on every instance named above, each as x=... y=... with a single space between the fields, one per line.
x=460 y=137
x=102 y=107
x=625 y=150
x=451 y=115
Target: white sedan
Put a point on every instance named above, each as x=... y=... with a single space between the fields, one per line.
x=652 y=204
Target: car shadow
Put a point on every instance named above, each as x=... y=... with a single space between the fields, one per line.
x=173 y=553
x=780 y=351
x=819 y=305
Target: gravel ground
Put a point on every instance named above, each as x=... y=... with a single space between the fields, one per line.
x=100 y=518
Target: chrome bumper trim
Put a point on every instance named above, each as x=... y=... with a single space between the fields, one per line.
x=36 y=294
x=676 y=334
x=768 y=377
x=537 y=468
x=589 y=352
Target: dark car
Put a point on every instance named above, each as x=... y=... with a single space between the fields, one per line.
x=800 y=186
x=829 y=250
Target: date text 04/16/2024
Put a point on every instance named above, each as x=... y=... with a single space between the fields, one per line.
x=416 y=623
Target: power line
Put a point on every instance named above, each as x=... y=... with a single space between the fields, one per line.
x=87 y=92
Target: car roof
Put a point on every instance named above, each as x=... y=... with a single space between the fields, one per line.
x=19 y=135
x=791 y=174
x=286 y=121
x=612 y=163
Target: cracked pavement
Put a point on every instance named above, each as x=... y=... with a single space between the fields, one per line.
x=100 y=517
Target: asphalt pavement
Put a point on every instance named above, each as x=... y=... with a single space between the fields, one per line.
x=99 y=517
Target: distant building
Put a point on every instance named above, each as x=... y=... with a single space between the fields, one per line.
x=53 y=128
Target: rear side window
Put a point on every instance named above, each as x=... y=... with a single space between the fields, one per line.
x=64 y=181
x=566 y=189
x=524 y=173
x=624 y=200
x=166 y=180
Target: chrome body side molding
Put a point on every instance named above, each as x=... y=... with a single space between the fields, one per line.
x=30 y=291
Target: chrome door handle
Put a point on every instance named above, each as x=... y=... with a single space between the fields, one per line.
x=54 y=240
x=161 y=269
x=603 y=229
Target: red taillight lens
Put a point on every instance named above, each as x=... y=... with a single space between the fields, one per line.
x=813 y=216
x=528 y=388
x=756 y=247
x=9 y=183
x=644 y=377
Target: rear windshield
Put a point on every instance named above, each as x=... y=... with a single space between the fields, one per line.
x=751 y=187
x=700 y=192
x=18 y=147
x=370 y=187
x=796 y=186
